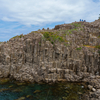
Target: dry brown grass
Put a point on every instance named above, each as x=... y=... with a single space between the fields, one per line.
x=89 y=46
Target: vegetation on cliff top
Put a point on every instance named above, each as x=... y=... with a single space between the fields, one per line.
x=18 y=36
x=53 y=37
x=65 y=35
x=59 y=35
x=76 y=24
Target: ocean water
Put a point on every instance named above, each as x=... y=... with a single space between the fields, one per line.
x=12 y=90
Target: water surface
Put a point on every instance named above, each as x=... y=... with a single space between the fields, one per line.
x=25 y=91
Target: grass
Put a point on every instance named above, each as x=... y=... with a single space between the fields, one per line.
x=99 y=36
x=39 y=43
x=66 y=44
x=20 y=36
x=78 y=48
x=76 y=24
x=89 y=46
x=68 y=32
x=53 y=37
x=99 y=52
x=71 y=30
x=97 y=46
x=81 y=29
x=35 y=31
x=43 y=38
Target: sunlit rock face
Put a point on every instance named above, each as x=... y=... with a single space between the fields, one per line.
x=69 y=54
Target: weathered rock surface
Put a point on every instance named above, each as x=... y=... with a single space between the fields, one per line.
x=32 y=58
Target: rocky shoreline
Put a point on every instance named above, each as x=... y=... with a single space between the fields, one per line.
x=69 y=52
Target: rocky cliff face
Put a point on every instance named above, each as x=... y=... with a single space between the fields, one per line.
x=69 y=52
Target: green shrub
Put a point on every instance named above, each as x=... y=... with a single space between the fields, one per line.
x=40 y=43
x=98 y=46
x=99 y=36
x=71 y=30
x=60 y=39
x=76 y=25
x=78 y=48
x=52 y=42
x=43 y=38
x=52 y=37
x=65 y=44
x=14 y=37
x=99 y=52
x=46 y=35
x=20 y=36
x=81 y=29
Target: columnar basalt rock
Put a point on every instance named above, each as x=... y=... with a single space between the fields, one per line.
x=32 y=58
x=35 y=60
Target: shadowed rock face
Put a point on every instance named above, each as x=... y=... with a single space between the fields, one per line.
x=33 y=58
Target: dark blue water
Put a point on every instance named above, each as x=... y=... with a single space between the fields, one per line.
x=11 y=90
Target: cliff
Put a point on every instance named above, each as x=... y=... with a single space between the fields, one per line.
x=68 y=52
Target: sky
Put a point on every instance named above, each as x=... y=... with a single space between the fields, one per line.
x=23 y=16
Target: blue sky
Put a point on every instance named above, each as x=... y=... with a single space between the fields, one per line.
x=24 y=16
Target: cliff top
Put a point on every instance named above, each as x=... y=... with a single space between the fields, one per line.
x=75 y=35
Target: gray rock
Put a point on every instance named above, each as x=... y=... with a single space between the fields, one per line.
x=93 y=89
x=98 y=91
x=90 y=87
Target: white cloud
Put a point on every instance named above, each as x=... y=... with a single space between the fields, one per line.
x=36 y=12
x=28 y=15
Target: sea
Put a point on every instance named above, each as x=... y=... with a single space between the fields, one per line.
x=14 y=90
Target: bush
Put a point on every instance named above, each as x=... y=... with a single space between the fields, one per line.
x=60 y=39
x=98 y=46
x=99 y=36
x=76 y=25
x=71 y=30
x=50 y=36
x=40 y=43
x=99 y=52
x=20 y=36
x=52 y=42
x=46 y=35
x=78 y=48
